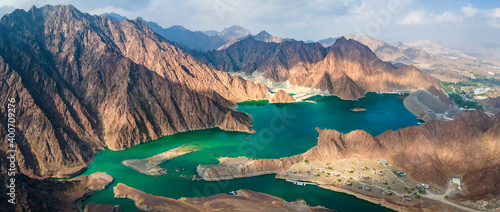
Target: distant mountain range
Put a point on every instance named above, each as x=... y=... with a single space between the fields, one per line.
x=201 y=41
x=441 y=62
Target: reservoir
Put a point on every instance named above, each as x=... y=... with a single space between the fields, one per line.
x=281 y=130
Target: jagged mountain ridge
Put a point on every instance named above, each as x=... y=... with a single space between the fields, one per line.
x=202 y=41
x=85 y=82
x=347 y=69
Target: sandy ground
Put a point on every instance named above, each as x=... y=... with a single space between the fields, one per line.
x=371 y=181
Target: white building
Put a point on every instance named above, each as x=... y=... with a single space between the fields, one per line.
x=457 y=181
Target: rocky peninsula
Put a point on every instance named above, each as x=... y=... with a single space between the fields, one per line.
x=243 y=200
x=150 y=166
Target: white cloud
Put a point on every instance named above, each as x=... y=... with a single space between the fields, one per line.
x=419 y=17
x=469 y=11
x=493 y=16
x=414 y=17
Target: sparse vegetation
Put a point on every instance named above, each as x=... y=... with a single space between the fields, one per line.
x=461 y=102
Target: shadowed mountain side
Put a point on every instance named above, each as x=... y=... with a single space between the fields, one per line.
x=76 y=91
x=347 y=69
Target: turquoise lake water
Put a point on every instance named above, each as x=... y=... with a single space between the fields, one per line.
x=281 y=130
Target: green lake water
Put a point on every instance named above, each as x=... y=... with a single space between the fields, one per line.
x=281 y=130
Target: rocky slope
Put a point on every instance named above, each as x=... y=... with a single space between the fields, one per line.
x=443 y=63
x=47 y=194
x=244 y=200
x=282 y=97
x=347 y=69
x=491 y=104
x=432 y=153
x=82 y=83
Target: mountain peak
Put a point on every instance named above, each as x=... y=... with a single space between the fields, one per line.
x=264 y=32
x=234 y=31
x=177 y=27
x=116 y=16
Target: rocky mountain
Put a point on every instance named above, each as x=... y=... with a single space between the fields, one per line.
x=282 y=97
x=443 y=63
x=114 y=16
x=202 y=41
x=326 y=42
x=262 y=36
x=491 y=104
x=266 y=37
x=234 y=32
x=187 y=39
x=431 y=153
x=82 y=83
x=347 y=69
x=191 y=40
x=46 y=194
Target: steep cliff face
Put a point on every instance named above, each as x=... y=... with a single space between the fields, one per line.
x=347 y=69
x=272 y=60
x=42 y=195
x=139 y=43
x=432 y=153
x=282 y=97
x=83 y=82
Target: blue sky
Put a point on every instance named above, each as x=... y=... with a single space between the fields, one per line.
x=461 y=24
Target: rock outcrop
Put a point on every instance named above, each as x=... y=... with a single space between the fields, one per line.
x=82 y=83
x=282 y=97
x=244 y=200
x=99 y=181
x=347 y=69
x=432 y=153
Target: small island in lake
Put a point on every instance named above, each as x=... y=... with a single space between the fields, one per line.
x=150 y=166
x=358 y=109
